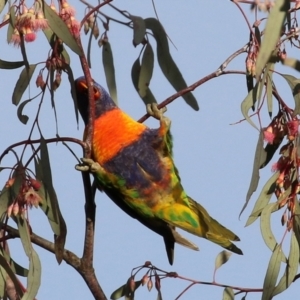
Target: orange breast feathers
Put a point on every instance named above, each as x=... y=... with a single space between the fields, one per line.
x=113 y=131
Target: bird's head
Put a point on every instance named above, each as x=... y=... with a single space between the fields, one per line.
x=103 y=101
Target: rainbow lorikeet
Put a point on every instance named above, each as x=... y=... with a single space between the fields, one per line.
x=133 y=165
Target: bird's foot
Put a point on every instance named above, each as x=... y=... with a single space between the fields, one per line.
x=156 y=112
x=88 y=165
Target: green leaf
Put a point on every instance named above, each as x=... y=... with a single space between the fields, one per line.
x=23 y=52
x=34 y=272
x=269 y=84
x=290 y=269
x=2 y=5
x=222 y=259
x=47 y=178
x=296 y=222
x=109 y=70
x=263 y=199
x=5 y=201
x=60 y=28
x=292 y=62
x=139 y=29
x=166 y=62
x=246 y=104
x=228 y=294
x=135 y=74
x=265 y=228
x=4 y=264
x=272 y=273
x=159 y=296
x=15 y=267
x=146 y=70
x=22 y=84
x=22 y=118
x=294 y=84
x=259 y=152
x=9 y=65
x=59 y=237
x=249 y=82
x=271 y=34
x=73 y=90
x=11 y=25
x=123 y=291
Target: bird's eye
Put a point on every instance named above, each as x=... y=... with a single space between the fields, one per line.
x=83 y=89
x=97 y=93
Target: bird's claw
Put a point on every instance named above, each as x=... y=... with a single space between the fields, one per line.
x=88 y=165
x=156 y=112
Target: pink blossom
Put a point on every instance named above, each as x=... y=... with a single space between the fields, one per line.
x=67 y=9
x=40 y=22
x=275 y=167
x=293 y=127
x=30 y=37
x=15 y=38
x=32 y=198
x=269 y=136
x=74 y=26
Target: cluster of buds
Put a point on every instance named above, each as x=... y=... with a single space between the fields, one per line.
x=67 y=14
x=251 y=63
x=28 y=22
x=265 y=5
x=287 y=185
x=91 y=23
x=27 y=197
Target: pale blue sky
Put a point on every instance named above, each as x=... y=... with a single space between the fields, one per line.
x=214 y=158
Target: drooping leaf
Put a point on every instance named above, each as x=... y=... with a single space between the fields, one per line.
x=109 y=70
x=139 y=29
x=5 y=201
x=228 y=294
x=3 y=279
x=166 y=62
x=296 y=222
x=271 y=34
x=135 y=73
x=11 y=25
x=269 y=84
x=123 y=291
x=23 y=51
x=263 y=199
x=73 y=90
x=22 y=84
x=292 y=62
x=259 y=153
x=60 y=238
x=22 y=118
x=265 y=228
x=246 y=104
x=249 y=82
x=4 y=264
x=146 y=70
x=257 y=34
x=294 y=83
x=2 y=5
x=222 y=259
x=159 y=296
x=290 y=269
x=34 y=272
x=272 y=273
x=59 y=27
x=9 y=65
